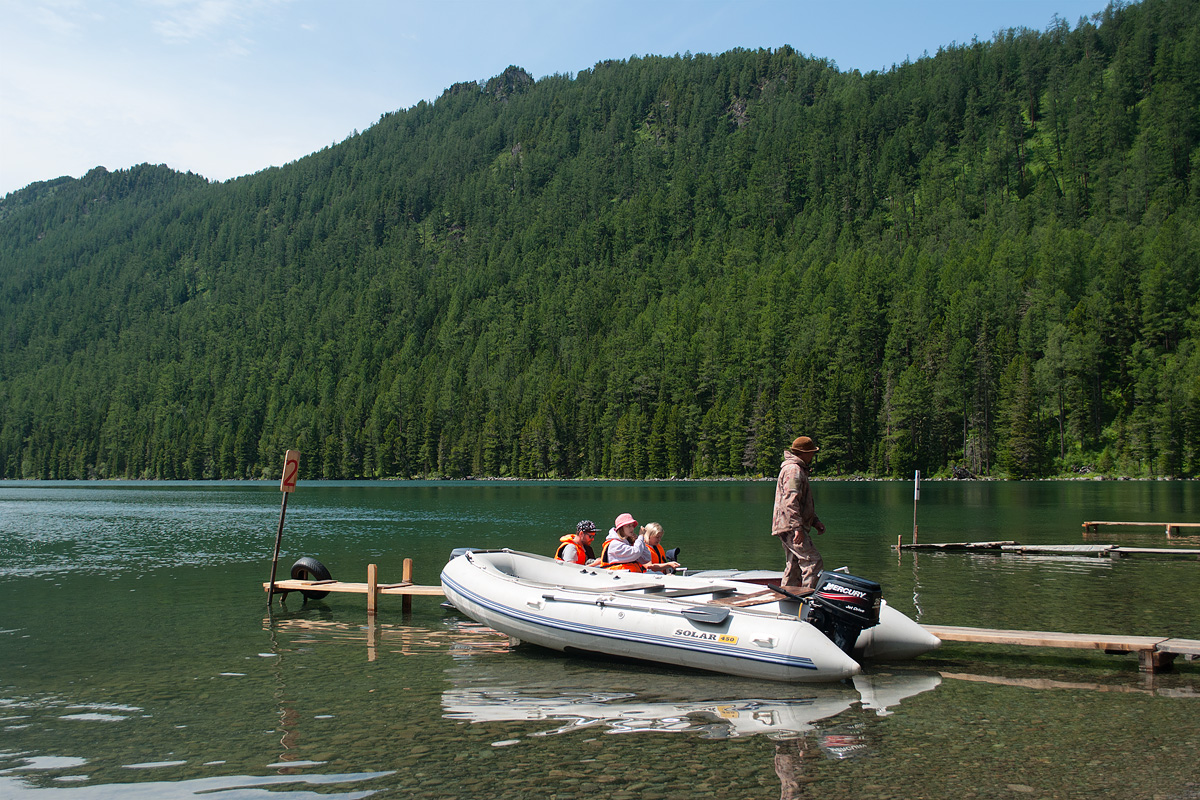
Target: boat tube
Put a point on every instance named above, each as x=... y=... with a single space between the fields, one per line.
x=705 y=623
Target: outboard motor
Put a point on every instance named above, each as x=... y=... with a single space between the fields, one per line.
x=842 y=606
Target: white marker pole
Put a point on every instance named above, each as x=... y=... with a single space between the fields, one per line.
x=916 y=497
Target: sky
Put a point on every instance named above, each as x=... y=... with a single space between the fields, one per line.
x=224 y=88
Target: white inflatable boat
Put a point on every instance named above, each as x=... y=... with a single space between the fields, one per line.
x=705 y=623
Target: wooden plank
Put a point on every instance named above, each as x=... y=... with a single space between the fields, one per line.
x=1091 y=526
x=1112 y=550
x=1184 y=647
x=1158 y=551
x=1084 y=641
x=957 y=545
x=1145 y=524
x=412 y=590
x=1067 y=549
x=747 y=600
x=356 y=588
x=715 y=591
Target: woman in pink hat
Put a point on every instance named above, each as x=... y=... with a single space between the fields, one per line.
x=623 y=549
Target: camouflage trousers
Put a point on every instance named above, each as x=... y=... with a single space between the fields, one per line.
x=803 y=563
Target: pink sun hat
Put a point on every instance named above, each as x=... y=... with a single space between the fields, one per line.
x=623 y=520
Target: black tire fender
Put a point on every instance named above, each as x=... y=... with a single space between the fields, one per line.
x=307 y=568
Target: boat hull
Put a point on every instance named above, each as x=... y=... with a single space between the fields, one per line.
x=627 y=615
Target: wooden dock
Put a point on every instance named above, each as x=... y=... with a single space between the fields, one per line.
x=1110 y=550
x=1155 y=653
x=406 y=589
x=1171 y=528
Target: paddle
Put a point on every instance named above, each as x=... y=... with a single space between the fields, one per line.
x=710 y=615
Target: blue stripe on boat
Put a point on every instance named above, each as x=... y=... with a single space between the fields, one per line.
x=727 y=651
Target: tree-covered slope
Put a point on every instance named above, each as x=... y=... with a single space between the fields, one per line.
x=666 y=266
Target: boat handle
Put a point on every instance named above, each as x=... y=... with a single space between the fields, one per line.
x=765 y=642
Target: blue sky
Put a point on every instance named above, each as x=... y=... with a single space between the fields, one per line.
x=228 y=87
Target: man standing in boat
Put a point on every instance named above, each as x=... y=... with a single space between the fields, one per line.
x=794 y=516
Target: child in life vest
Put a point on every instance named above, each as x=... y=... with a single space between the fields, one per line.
x=652 y=534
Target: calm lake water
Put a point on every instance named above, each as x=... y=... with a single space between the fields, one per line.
x=138 y=657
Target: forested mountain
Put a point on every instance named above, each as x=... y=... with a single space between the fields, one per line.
x=665 y=266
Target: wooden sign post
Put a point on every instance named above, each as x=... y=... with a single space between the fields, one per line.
x=287 y=485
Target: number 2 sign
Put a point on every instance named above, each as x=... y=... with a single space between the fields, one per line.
x=291 y=470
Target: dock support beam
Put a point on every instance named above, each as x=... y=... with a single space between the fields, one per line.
x=406 y=577
x=372 y=588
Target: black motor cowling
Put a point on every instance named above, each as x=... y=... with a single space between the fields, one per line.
x=842 y=606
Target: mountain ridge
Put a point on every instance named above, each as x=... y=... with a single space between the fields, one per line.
x=664 y=266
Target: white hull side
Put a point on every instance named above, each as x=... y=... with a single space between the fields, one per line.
x=565 y=608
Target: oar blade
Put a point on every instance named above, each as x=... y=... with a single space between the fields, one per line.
x=710 y=615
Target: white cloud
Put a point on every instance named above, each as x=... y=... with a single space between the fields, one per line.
x=186 y=20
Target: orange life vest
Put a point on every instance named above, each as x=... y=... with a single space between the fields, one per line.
x=583 y=552
x=632 y=566
x=657 y=554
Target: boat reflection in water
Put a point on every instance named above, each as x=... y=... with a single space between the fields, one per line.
x=636 y=699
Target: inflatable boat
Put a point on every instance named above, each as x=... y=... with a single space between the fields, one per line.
x=706 y=623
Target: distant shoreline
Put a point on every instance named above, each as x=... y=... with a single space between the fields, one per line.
x=726 y=479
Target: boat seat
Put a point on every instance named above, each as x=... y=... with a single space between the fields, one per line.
x=756 y=599
x=636 y=587
x=715 y=591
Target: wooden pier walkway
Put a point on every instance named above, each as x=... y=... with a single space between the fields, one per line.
x=1155 y=653
x=372 y=588
x=1110 y=550
x=1171 y=528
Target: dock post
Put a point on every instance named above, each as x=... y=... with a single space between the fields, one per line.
x=406 y=576
x=372 y=588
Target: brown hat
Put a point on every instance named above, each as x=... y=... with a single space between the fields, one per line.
x=803 y=444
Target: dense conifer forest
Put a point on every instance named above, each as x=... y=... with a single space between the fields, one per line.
x=985 y=261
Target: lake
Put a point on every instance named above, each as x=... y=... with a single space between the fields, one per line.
x=138 y=657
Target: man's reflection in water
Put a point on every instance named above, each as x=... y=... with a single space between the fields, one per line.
x=789 y=766
x=846 y=740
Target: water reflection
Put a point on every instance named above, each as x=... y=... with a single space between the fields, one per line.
x=551 y=693
x=14 y=786
x=459 y=637
x=1148 y=684
x=809 y=722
